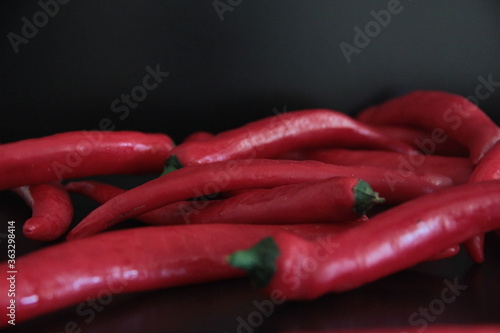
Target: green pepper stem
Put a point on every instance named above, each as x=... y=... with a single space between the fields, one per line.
x=258 y=261
x=171 y=164
x=365 y=198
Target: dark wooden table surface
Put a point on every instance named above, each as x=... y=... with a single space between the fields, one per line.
x=416 y=297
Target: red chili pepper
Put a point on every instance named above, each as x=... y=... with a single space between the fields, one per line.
x=444 y=114
x=215 y=211
x=132 y=260
x=272 y=136
x=52 y=210
x=81 y=154
x=391 y=241
x=487 y=169
x=457 y=168
x=337 y=199
x=424 y=141
x=475 y=248
x=206 y=179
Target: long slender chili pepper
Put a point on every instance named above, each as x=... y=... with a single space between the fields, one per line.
x=444 y=114
x=336 y=199
x=427 y=142
x=205 y=179
x=389 y=242
x=81 y=154
x=187 y=212
x=272 y=136
x=487 y=169
x=52 y=210
x=132 y=260
x=457 y=168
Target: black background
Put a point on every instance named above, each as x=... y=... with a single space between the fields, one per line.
x=262 y=57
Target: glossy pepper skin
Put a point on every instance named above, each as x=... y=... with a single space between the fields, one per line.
x=444 y=114
x=205 y=179
x=81 y=154
x=459 y=169
x=131 y=260
x=272 y=136
x=337 y=199
x=389 y=242
x=52 y=210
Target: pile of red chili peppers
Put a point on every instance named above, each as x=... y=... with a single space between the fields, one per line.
x=286 y=200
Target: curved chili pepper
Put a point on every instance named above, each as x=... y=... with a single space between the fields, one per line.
x=215 y=211
x=132 y=260
x=272 y=136
x=457 y=168
x=425 y=141
x=444 y=114
x=52 y=210
x=81 y=154
x=337 y=199
x=487 y=169
x=206 y=179
x=389 y=242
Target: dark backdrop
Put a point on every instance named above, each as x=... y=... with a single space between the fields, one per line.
x=232 y=61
